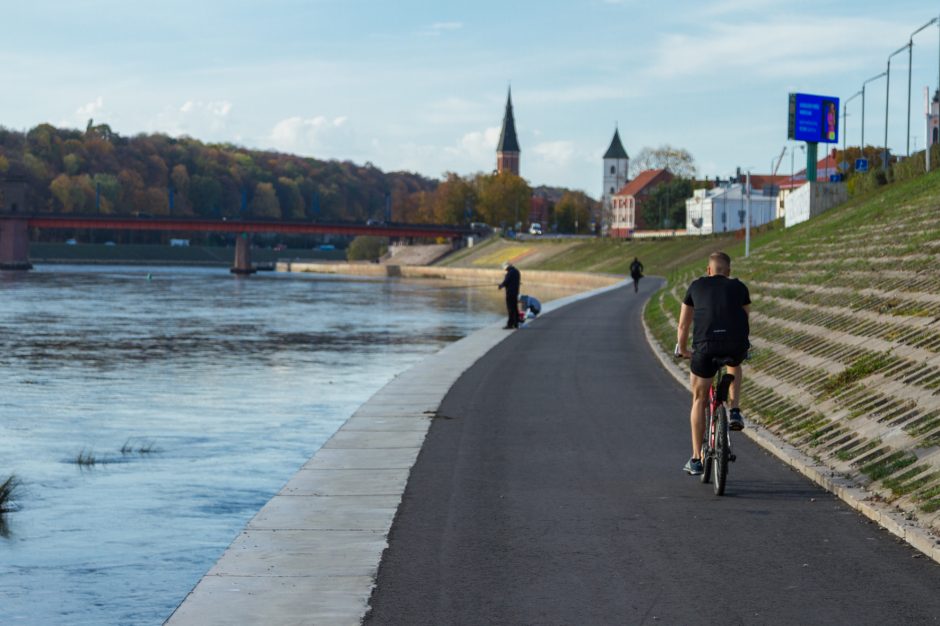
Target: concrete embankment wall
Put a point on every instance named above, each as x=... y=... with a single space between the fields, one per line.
x=575 y=280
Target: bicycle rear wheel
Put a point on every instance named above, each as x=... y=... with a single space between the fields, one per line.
x=721 y=452
x=707 y=447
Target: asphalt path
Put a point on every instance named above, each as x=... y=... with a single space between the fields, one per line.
x=550 y=491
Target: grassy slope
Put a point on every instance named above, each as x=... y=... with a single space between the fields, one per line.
x=660 y=257
x=846 y=361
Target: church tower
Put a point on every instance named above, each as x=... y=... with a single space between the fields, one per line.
x=616 y=166
x=507 y=150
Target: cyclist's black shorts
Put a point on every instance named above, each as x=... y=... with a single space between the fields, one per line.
x=703 y=357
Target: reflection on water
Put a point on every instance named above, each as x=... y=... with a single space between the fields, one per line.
x=150 y=419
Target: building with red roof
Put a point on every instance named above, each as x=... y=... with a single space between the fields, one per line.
x=627 y=204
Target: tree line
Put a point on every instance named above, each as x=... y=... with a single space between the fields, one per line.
x=98 y=171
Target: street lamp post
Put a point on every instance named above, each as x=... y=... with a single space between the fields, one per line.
x=884 y=160
x=910 y=59
x=863 y=106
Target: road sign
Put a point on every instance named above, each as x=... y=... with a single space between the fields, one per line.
x=861 y=165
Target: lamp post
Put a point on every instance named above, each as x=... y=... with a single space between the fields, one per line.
x=884 y=160
x=910 y=58
x=863 y=105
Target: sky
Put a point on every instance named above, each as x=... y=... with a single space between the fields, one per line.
x=421 y=86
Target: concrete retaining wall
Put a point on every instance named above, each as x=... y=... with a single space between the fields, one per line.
x=581 y=280
x=812 y=199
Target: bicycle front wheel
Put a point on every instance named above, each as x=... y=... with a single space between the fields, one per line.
x=722 y=451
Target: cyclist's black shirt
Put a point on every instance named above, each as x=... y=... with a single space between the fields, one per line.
x=719 y=320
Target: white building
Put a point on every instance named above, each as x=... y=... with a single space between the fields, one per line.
x=723 y=209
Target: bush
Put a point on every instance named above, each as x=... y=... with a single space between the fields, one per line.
x=366 y=248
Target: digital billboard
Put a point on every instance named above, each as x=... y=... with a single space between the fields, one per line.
x=814 y=118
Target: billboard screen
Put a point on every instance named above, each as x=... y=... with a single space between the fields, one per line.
x=814 y=118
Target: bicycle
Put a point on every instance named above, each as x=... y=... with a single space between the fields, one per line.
x=716 y=443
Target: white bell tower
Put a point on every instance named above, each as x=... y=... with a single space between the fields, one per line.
x=616 y=168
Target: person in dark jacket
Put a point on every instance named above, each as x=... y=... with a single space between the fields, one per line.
x=636 y=272
x=511 y=284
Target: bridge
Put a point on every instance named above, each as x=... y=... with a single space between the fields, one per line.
x=14 y=231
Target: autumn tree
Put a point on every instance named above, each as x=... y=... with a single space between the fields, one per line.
x=503 y=198
x=454 y=200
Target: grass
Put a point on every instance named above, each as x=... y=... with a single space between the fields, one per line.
x=142 y=448
x=86 y=458
x=889 y=465
x=8 y=493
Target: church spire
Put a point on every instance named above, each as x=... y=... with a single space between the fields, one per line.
x=507 y=150
x=616 y=151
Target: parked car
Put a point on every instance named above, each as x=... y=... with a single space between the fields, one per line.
x=535 y=228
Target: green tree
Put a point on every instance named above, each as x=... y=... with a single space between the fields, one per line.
x=665 y=205
x=265 y=203
x=110 y=191
x=366 y=248
x=179 y=181
x=205 y=194
x=288 y=195
x=573 y=212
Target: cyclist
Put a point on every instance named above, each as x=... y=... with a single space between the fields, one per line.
x=636 y=272
x=717 y=308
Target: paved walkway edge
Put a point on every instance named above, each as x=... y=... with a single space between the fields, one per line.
x=311 y=554
x=849 y=491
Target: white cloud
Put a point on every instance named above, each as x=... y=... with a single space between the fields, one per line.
x=476 y=147
x=317 y=136
x=442 y=26
x=205 y=120
x=91 y=109
x=85 y=112
x=769 y=48
x=555 y=153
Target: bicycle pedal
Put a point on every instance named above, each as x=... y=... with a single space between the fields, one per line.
x=733 y=458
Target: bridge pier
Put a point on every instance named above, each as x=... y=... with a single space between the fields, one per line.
x=14 y=245
x=242 y=265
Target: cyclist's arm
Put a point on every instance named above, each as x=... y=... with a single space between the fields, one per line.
x=682 y=335
x=747 y=310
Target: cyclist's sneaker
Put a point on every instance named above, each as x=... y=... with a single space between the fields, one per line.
x=735 y=420
x=694 y=467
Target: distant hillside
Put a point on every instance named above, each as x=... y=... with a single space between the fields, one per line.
x=846 y=334
x=67 y=169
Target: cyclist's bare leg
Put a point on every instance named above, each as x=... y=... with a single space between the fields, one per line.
x=700 y=387
x=734 y=395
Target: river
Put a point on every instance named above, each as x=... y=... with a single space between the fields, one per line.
x=149 y=413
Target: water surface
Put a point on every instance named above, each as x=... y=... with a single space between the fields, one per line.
x=196 y=395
